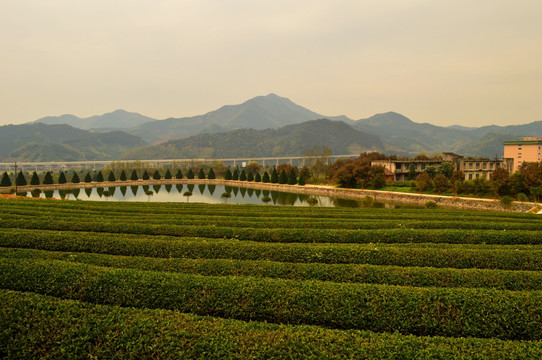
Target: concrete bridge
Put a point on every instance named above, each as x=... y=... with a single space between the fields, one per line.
x=96 y=164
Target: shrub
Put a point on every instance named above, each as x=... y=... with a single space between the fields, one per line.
x=431 y=204
x=423 y=182
x=62 y=178
x=167 y=175
x=156 y=175
x=211 y=174
x=35 y=179
x=292 y=179
x=75 y=178
x=258 y=177
x=283 y=178
x=134 y=176
x=6 y=181
x=523 y=197
x=48 y=179
x=122 y=176
x=265 y=177
x=506 y=202
x=378 y=182
x=274 y=176
x=235 y=175
x=179 y=174
x=88 y=178
x=441 y=183
x=146 y=175
x=201 y=174
x=228 y=175
x=99 y=177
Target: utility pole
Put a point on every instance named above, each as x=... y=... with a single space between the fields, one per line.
x=15 y=177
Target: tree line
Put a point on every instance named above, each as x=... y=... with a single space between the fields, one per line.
x=283 y=174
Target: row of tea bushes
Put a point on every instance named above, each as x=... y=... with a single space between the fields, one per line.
x=480 y=257
x=353 y=273
x=66 y=328
x=482 y=313
x=283 y=223
x=179 y=210
x=156 y=227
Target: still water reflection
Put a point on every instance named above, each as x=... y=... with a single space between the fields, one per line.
x=212 y=194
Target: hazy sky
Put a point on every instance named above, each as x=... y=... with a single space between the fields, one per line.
x=460 y=62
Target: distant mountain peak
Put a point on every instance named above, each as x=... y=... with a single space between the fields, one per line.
x=390 y=116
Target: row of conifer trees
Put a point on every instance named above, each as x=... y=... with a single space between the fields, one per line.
x=242 y=175
x=283 y=178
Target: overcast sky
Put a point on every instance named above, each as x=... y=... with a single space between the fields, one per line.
x=470 y=63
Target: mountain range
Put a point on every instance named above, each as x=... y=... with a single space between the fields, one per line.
x=291 y=140
x=41 y=142
x=389 y=132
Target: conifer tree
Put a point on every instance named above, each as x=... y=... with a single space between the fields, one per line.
x=301 y=180
x=134 y=176
x=211 y=174
x=201 y=174
x=156 y=175
x=167 y=175
x=190 y=174
x=35 y=179
x=48 y=179
x=21 y=180
x=88 y=178
x=146 y=175
x=283 y=178
x=274 y=176
x=75 y=178
x=179 y=174
x=265 y=177
x=62 y=178
x=292 y=179
x=228 y=175
x=6 y=181
x=99 y=176
x=111 y=176
x=235 y=175
x=250 y=176
x=123 y=176
x=243 y=176
x=258 y=177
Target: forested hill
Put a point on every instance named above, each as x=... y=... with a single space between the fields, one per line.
x=290 y=140
x=42 y=142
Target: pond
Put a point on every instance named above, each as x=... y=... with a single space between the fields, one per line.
x=205 y=193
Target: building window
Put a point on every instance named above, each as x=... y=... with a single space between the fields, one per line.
x=470 y=165
x=484 y=165
x=477 y=165
x=398 y=166
x=423 y=166
x=491 y=165
x=470 y=176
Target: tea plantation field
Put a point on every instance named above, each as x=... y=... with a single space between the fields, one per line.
x=187 y=280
